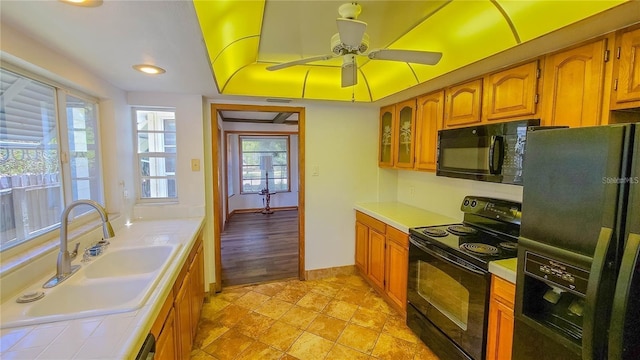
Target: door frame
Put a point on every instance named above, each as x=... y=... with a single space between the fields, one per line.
x=216 y=173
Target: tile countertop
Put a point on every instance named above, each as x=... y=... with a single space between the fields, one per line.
x=116 y=336
x=402 y=217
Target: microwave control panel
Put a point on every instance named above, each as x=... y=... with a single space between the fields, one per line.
x=556 y=272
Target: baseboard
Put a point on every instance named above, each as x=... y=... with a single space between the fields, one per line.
x=329 y=272
x=257 y=210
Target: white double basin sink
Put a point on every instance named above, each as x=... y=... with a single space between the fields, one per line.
x=120 y=280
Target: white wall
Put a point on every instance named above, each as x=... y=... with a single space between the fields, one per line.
x=444 y=195
x=190 y=145
x=341 y=141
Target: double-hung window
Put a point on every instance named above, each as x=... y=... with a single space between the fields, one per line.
x=265 y=163
x=156 y=148
x=49 y=155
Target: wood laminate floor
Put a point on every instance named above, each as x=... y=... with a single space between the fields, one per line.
x=257 y=248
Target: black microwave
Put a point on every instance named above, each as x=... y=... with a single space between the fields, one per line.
x=493 y=152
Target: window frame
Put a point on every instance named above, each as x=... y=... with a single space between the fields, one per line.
x=139 y=156
x=60 y=94
x=241 y=166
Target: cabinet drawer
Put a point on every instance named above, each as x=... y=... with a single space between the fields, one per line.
x=503 y=291
x=372 y=223
x=398 y=237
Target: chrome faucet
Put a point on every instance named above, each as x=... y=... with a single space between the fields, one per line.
x=63 y=268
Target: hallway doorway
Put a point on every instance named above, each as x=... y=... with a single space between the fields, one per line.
x=242 y=251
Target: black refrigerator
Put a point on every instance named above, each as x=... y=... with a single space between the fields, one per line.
x=578 y=276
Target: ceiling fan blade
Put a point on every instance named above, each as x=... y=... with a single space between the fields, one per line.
x=351 y=31
x=349 y=71
x=411 y=56
x=299 y=62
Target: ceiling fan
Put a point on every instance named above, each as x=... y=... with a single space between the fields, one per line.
x=351 y=40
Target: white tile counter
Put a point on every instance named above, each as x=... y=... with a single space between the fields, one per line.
x=402 y=216
x=116 y=336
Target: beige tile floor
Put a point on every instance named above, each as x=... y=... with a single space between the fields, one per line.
x=333 y=318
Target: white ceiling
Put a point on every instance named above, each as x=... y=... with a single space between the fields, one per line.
x=110 y=39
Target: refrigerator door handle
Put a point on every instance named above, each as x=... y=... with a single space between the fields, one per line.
x=592 y=343
x=621 y=296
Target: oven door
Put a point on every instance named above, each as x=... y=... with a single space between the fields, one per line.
x=451 y=293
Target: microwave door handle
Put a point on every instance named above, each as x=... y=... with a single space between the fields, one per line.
x=592 y=342
x=443 y=258
x=497 y=143
x=621 y=299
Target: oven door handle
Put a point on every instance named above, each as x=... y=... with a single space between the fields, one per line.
x=448 y=259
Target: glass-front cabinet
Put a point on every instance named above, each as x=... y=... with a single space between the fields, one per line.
x=405 y=134
x=386 y=140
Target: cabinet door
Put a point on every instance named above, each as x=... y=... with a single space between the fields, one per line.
x=182 y=308
x=573 y=86
x=197 y=288
x=376 y=259
x=500 y=334
x=166 y=342
x=396 y=268
x=405 y=134
x=429 y=118
x=362 y=241
x=626 y=92
x=511 y=93
x=386 y=140
x=463 y=104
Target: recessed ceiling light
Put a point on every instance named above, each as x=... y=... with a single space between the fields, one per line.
x=85 y=3
x=149 y=69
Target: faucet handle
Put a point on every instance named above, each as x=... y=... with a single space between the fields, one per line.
x=75 y=251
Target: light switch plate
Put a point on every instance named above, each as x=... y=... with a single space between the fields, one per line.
x=195 y=164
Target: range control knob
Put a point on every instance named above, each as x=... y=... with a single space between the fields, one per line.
x=474 y=203
x=465 y=202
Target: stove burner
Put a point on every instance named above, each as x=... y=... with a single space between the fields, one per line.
x=508 y=246
x=479 y=248
x=434 y=232
x=461 y=230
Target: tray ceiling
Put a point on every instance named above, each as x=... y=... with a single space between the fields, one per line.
x=244 y=37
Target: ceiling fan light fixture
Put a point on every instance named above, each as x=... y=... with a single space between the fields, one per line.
x=350 y=10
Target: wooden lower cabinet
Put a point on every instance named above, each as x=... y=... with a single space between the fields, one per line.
x=176 y=324
x=376 y=258
x=382 y=255
x=166 y=341
x=500 y=334
x=182 y=306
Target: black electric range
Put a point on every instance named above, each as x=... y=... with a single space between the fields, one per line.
x=489 y=231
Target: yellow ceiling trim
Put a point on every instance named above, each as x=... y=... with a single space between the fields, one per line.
x=533 y=19
x=508 y=20
x=235 y=57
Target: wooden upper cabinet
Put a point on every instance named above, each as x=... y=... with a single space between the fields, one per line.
x=405 y=134
x=463 y=106
x=429 y=119
x=573 y=86
x=386 y=137
x=626 y=85
x=511 y=93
